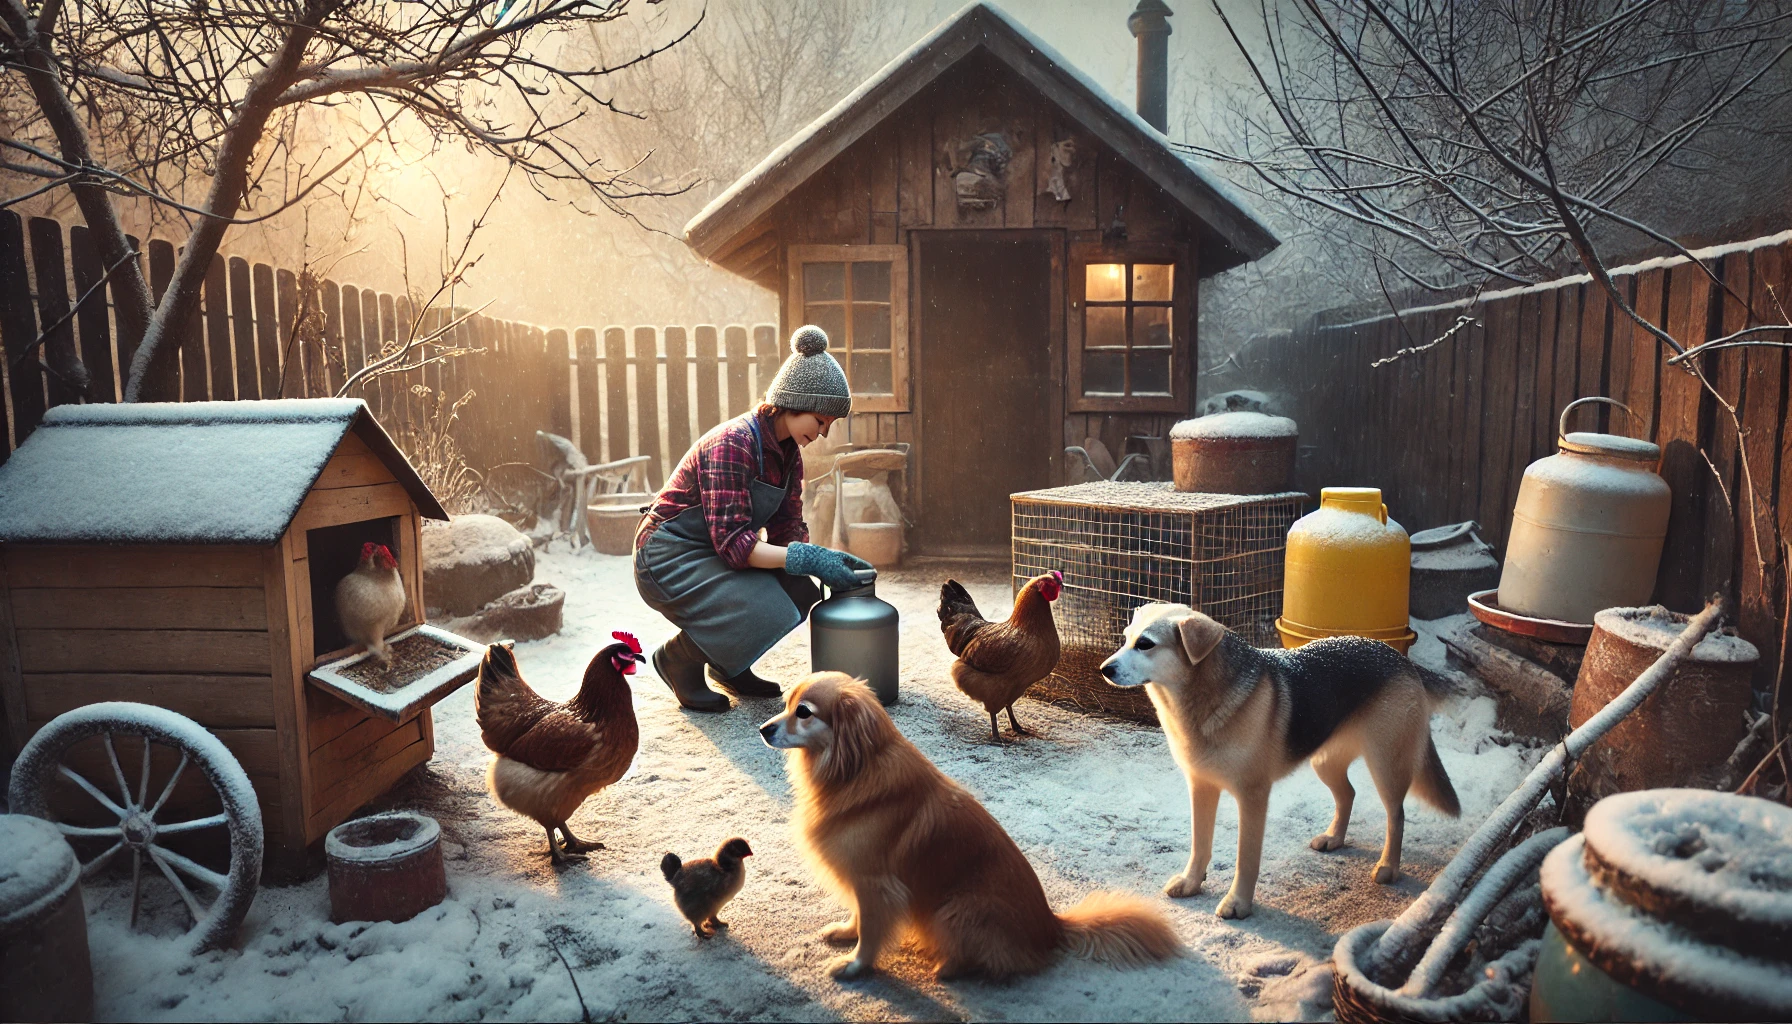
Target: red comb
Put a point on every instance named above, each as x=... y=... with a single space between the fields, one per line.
x=1056 y=575
x=629 y=639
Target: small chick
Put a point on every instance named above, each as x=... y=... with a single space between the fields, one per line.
x=703 y=887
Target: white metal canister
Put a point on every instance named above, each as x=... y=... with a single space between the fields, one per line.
x=1587 y=528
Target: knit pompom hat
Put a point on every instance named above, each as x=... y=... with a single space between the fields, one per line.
x=810 y=380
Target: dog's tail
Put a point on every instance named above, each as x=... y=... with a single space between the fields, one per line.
x=1432 y=784
x=1119 y=929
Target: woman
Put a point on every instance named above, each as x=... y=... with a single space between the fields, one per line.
x=699 y=558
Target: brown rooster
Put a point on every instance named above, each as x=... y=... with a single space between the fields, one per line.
x=998 y=661
x=551 y=757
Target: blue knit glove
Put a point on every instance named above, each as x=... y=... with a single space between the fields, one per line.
x=834 y=568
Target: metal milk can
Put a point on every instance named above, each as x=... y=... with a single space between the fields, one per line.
x=1587 y=528
x=854 y=632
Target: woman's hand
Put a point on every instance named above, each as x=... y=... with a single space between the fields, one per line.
x=837 y=569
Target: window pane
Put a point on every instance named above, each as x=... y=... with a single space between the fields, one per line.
x=1151 y=282
x=830 y=318
x=1104 y=373
x=1104 y=327
x=1151 y=327
x=870 y=326
x=870 y=373
x=824 y=281
x=871 y=282
x=1150 y=371
x=1104 y=282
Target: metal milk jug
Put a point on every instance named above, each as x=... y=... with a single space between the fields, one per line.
x=1587 y=528
x=854 y=632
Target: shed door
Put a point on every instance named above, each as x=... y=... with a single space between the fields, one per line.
x=986 y=410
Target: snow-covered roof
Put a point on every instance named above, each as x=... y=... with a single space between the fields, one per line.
x=183 y=472
x=1244 y=235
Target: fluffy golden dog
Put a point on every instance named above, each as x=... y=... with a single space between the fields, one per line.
x=910 y=850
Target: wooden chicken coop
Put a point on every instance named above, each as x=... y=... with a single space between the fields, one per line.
x=186 y=556
x=1004 y=256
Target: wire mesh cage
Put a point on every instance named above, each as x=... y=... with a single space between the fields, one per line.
x=1122 y=545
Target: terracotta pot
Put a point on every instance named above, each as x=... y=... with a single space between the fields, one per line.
x=45 y=973
x=1683 y=733
x=1233 y=465
x=386 y=867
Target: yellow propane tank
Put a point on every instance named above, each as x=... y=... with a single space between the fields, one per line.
x=1348 y=570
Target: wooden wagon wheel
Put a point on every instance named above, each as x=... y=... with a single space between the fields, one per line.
x=137 y=829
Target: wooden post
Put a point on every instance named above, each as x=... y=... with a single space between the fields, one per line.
x=92 y=317
x=267 y=331
x=397 y=385
x=734 y=341
x=616 y=380
x=709 y=403
x=325 y=356
x=678 y=394
x=242 y=323
x=127 y=340
x=647 y=402
x=53 y=307
x=217 y=330
x=18 y=329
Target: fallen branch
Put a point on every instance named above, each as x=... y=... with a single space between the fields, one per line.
x=1461 y=322
x=1401 y=945
x=1517 y=863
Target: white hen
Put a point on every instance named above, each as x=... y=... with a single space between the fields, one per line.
x=371 y=600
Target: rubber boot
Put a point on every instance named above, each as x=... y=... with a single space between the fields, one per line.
x=746 y=685
x=679 y=663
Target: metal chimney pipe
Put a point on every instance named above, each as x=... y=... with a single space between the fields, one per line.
x=1150 y=25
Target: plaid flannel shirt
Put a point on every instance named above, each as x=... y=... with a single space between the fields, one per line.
x=716 y=473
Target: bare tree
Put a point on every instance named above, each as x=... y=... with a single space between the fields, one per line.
x=133 y=98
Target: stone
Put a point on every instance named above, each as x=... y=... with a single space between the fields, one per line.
x=526 y=613
x=472 y=561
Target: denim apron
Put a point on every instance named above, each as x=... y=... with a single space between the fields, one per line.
x=733 y=615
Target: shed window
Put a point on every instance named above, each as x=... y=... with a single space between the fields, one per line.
x=858 y=294
x=1129 y=324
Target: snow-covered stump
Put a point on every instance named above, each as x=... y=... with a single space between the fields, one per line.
x=45 y=970
x=385 y=867
x=1680 y=736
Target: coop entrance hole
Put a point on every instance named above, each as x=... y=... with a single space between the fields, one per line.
x=333 y=552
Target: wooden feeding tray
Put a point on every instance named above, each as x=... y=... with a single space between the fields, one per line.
x=1486 y=607
x=427 y=664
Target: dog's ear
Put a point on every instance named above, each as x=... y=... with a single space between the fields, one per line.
x=1200 y=635
x=856 y=725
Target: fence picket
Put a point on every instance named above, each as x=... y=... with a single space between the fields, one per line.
x=765 y=362
x=556 y=380
x=734 y=344
x=91 y=317
x=242 y=324
x=616 y=393
x=647 y=403
x=353 y=353
x=591 y=427
x=292 y=361
x=18 y=330
x=53 y=308
x=709 y=399
x=267 y=332
x=217 y=331
x=678 y=395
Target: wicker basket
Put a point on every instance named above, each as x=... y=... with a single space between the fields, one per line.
x=1122 y=545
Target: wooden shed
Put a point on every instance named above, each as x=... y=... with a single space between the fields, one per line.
x=1004 y=256
x=186 y=555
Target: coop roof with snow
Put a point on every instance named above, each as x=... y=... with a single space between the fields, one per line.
x=183 y=472
x=1238 y=234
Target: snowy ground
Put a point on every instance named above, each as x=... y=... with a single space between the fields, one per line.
x=1093 y=803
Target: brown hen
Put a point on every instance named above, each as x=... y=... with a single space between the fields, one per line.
x=551 y=757
x=998 y=661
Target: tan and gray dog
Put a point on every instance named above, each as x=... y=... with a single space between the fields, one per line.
x=1239 y=718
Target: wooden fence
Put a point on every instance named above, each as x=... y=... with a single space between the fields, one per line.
x=1447 y=432
x=615 y=391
